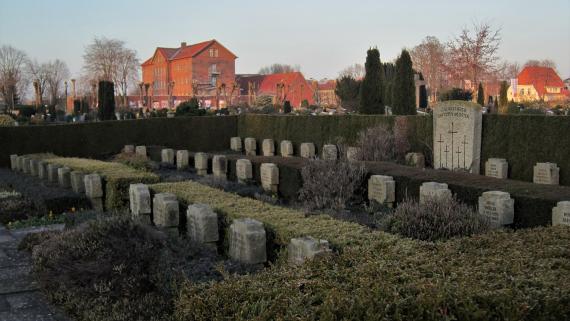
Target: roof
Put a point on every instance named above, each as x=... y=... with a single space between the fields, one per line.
x=540 y=78
x=269 y=82
x=185 y=52
x=327 y=85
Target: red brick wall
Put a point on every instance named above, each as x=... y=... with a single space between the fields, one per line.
x=225 y=65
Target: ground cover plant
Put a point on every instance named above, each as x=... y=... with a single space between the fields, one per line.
x=117 y=176
x=502 y=275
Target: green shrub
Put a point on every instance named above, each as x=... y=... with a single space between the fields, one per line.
x=456 y=94
x=435 y=219
x=190 y=108
x=108 y=270
x=496 y=276
x=135 y=161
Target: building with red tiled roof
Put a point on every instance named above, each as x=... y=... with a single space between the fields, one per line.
x=537 y=83
x=291 y=86
x=326 y=93
x=205 y=70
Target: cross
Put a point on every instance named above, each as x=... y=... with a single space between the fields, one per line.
x=458 y=152
x=452 y=132
x=464 y=149
x=446 y=151
x=440 y=141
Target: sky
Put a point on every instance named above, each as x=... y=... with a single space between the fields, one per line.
x=322 y=36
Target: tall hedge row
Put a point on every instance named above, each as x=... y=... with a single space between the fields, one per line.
x=106 y=138
x=522 y=140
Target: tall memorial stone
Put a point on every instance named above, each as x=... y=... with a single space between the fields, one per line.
x=457 y=136
x=561 y=214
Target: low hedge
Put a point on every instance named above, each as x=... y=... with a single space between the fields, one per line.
x=281 y=223
x=497 y=276
x=117 y=177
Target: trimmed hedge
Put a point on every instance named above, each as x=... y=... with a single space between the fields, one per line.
x=523 y=140
x=496 y=276
x=103 y=139
x=321 y=130
x=117 y=177
x=281 y=223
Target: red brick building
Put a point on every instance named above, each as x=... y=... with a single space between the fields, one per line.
x=291 y=86
x=326 y=92
x=173 y=75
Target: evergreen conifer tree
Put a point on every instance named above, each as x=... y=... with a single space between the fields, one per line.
x=480 y=95
x=423 y=94
x=106 y=95
x=371 y=89
x=503 y=100
x=404 y=89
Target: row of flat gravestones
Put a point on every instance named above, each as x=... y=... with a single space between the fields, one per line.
x=496 y=206
x=89 y=184
x=247 y=237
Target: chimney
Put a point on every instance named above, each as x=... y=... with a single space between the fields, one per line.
x=183 y=44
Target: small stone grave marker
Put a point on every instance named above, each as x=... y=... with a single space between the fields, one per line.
x=546 y=173
x=382 y=189
x=497 y=168
x=247 y=240
x=497 y=207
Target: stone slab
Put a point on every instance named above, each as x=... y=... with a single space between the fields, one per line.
x=497 y=168
x=202 y=223
x=244 y=171
x=247 y=241
x=268 y=147
x=250 y=145
x=382 y=189
x=307 y=150
x=286 y=148
x=497 y=207
x=182 y=159
x=269 y=177
x=561 y=214
x=306 y=248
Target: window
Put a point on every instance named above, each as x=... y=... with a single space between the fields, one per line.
x=213 y=53
x=213 y=69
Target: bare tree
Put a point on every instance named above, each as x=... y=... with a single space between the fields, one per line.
x=541 y=63
x=474 y=52
x=355 y=71
x=12 y=63
x=279 y=68
x=57 y=74
x=429 y=59
x=39 y=74
x=507 y=70
x=127 y=72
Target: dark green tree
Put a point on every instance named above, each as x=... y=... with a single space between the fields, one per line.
x=371 y=90
x=456 y=94
x=388 y=82
x=404 y=89
x=347 y=89
x=481 y=95
x=503 y=100
x=423 y=94
x=287 y=107
x=106 y=96
x=190 y=108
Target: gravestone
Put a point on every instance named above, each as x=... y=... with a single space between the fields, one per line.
x=330 y=152
x=497 y=168
x=201 y=163
x=306 y=248
x=64 y=177
x=247 y=241
x=27 y=167
x=139 y=201
x=141 y=151
x=307 y=150
x=269 y=177
x=202 y=224
x=42 y=170
x=561 y=214
x=14 y=162
x=129 y=149
x=34 y=167
x=286 y=148
x=457 y=136
x=546 y=173
x=268 y=147
x=219 y=166
x=52 y=173
x=416 y=160
x=235 y=144
x=182 y=159
x=167 y=156
x=166 y=212
x=353 y=154
x=94 y=190
x=434 y=190
x=250 y=146
x=382 y=189
x=244 y=171
x=77 y=181
x=498 y=207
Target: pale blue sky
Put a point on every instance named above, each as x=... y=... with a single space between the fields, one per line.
x=322 y=36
